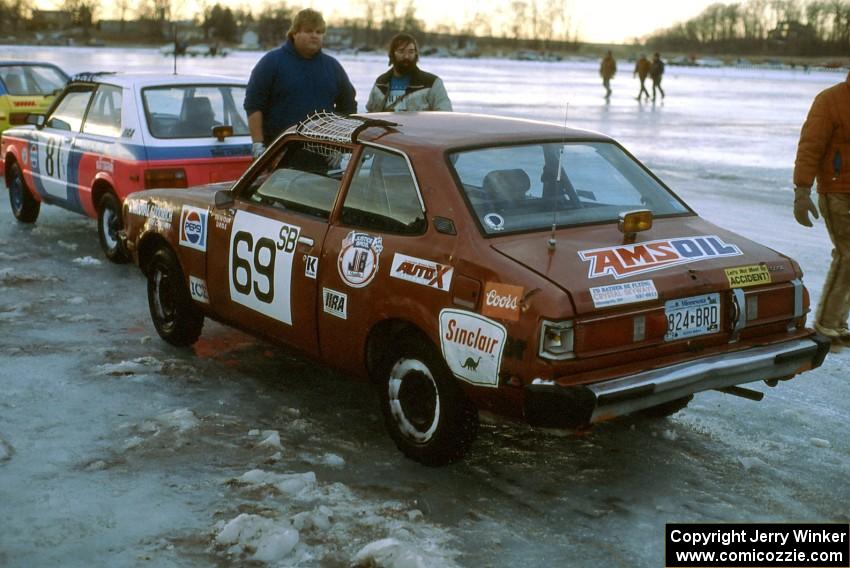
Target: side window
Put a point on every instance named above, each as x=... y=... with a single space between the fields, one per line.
x=305 y=179
x=68 y=114
x=383 y=196
x=104 y=117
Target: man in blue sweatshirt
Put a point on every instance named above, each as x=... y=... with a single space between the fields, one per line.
x=293 y=81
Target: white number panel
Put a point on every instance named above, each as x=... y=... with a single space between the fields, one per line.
x=260 y=265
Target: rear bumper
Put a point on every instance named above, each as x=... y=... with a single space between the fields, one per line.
x=570 y=406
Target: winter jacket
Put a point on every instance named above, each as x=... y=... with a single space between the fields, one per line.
x=823 y=152
x=608 y=67
x=656 y=69
x=287 y=87
x=642 y=67
x=425 y=92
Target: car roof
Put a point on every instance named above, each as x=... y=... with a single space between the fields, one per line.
x=152 y=79
x=8 y=63
x=445 y=130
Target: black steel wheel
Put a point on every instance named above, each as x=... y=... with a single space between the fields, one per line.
x=109 y=222
x=175 y=316
x=25 y=207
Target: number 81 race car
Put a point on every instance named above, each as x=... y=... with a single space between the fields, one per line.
x=108 y=135
x=465 y=262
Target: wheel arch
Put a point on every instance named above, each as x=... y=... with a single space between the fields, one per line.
x=383 y=333
x=99 y=188
x=149 y=244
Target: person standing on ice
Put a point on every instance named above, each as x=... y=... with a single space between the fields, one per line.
x=656 y=71
x=295 y=80
x=405 y=87
x=607 y=69
x=823 y=155
x=642 y=71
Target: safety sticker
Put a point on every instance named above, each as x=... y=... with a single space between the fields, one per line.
x=750 y=275
x=198 y=289
x=335 y=303
x=502 y=301
x=625 y=293
x=260 y=264
x=193 y=227
x=423 y=272
x=359 y=258
x=472 y=346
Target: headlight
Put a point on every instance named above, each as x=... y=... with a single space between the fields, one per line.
x=556 y=340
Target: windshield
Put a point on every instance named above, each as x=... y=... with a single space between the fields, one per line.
x=29 y=80
x=529 y=187
x=191 y=111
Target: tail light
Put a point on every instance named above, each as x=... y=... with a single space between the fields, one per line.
x=172 y=177
x=18 y=117
x=556 y=340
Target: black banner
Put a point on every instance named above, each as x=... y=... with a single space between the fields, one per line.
x=757 y=545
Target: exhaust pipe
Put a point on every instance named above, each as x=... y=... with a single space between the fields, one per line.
x=743 y=393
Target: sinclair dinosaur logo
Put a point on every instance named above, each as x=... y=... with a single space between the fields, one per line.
x=472 y=346
x=623 y=261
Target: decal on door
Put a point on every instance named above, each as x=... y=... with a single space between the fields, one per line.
x=502 y=301
x=311 y=266
x=53 y=160
x=335 y=303
x=198 y=289
x=358 y=259
x=424 y=272
x=193 y=227
x=260 y=264
x=472 y=346
x=623 y=261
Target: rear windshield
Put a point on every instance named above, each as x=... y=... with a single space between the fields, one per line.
x=530 y=187
x=191 y=111
x=31 y=80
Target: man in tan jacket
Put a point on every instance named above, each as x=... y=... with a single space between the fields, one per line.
x=823 y=154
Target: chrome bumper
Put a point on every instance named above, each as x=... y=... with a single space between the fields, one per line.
x=555 y=405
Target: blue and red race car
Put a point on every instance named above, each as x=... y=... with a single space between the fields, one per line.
x=109 y=135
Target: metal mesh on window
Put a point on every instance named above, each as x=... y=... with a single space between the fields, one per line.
x=336 y=128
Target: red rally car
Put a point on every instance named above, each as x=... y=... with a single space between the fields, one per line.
x=467 y=262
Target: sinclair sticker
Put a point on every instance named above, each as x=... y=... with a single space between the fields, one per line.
x=358 y=259
x=472 y=346
x=623 y=261
x=750 y=275
x=502 y=301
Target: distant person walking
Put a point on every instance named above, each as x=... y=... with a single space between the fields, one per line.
x=608 y=68
x=656 y=71
x=295 y=80
x=642 y=72
x=823 y=154
x=405 y=87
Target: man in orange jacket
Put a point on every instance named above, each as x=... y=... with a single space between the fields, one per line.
x=823 y=154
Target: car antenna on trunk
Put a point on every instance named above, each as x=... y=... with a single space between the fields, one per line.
x=552 y=242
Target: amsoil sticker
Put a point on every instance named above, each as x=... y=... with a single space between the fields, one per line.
x=260 y=264
x=625 y=293
x=198 y=289
x=193 y=227
x=311 y=266
x=623 y=261
x=750 y=275
x=472 y=346
x=424 y=272
x=335 y=303
x=359 y=258
x=502 y=301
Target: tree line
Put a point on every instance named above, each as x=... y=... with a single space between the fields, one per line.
x=799 y=27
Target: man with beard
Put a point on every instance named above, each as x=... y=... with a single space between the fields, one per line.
x=295 y=80
x=405 y=87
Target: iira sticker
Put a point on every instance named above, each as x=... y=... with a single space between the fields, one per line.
x=424 y=272
x=198 y=289
x=625 y=293
x=358 y=260
x=193 y=227
x=623 y=261
x=472 y=346
x=502 y=301
x=750 y=275
x=335 y=303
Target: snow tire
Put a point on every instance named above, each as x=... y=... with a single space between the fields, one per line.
x=25 y=207
x=109 y=222
x=175 y=316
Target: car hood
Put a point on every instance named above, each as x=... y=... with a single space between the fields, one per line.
x=680 y=257
x=199 y=195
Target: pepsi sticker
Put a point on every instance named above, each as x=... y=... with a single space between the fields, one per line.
x=193 y=227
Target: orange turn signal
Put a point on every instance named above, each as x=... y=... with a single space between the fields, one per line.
x=223 y=131
x=632 y=222
x=173 y=177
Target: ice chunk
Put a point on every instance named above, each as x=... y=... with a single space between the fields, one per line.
x=289 y=483
x=272 y=440
x=271 y=541
x=87 y=261
x=67 y=246
x=819 y=442
x=333 y=460
x=182 y=419
x=390 y=553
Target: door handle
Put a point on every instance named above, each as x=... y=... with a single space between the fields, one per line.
x=307 y=241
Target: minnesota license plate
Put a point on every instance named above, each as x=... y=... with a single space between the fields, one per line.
x=688 y=317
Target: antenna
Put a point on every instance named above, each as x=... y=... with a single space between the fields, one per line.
x=174 y=37
x=561 y=153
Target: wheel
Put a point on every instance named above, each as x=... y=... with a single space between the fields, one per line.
x=665 y=409
x=176 y=318
x=109 y=222
x=427 y=415
x=25 y=207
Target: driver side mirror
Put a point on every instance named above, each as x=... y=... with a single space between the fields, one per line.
x=36 y=120
x=223 y=199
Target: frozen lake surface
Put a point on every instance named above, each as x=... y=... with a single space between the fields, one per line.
x=116 y=449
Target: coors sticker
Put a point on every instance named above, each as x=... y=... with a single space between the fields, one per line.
x=502 y=301
x=472 y=346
